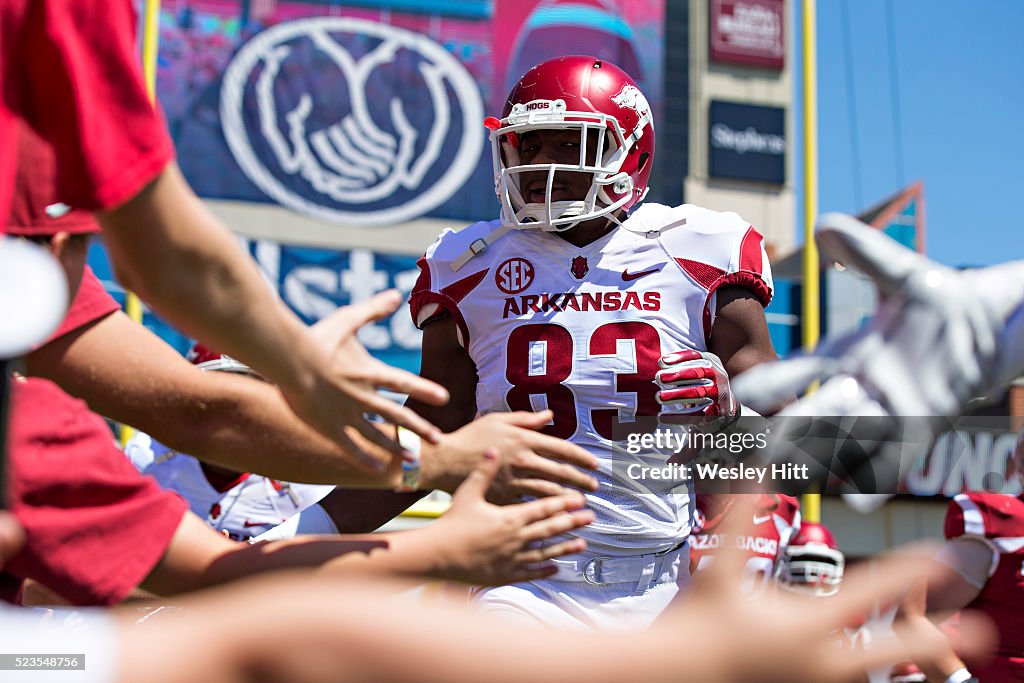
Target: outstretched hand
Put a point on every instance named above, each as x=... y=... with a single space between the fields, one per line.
x=530 y=463
x=345 y=387
x=491 y=545
x=940 y=338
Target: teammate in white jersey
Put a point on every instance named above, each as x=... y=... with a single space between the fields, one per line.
x=566 y=303
x=241 y=505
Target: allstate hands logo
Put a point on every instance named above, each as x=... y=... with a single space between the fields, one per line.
x=352 y=121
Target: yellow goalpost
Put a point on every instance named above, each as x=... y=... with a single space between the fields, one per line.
x=150 y=43
x=811 y=503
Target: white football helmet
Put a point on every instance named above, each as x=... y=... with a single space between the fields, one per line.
x=813 y=562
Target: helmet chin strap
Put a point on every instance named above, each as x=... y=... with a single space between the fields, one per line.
x=538 y=213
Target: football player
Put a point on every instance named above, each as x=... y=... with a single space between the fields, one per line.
x=241 y=505
x=985 y=546
x=775 y=520
x=813 y=562
x=574 y=300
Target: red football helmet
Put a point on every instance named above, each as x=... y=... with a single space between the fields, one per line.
x=597 y=98
x=813 y=562
x=208 y=359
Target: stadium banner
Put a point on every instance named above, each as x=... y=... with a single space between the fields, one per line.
x=314 y=283
x=748 y=32
x=966 y=460
x=747 y=142
x=369 y=112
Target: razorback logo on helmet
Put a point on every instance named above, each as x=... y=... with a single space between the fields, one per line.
x=514 y=275
x=579 y=267
x=630 y=97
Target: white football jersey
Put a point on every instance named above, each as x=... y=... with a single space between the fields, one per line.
x=580 y=330
x=252 y=505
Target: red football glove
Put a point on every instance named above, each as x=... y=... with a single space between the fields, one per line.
x=694 y=383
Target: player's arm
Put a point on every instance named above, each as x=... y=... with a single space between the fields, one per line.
x=968 y=552
x=166 y=246
x=444 y=361
x=739 y=334
x=475 y=542
x=972 y=561
x=694 y=382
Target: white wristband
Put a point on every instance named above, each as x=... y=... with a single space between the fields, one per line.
x=959 y=676
x=410 y=441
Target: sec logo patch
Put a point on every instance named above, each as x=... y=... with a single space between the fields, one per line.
x=514 y=275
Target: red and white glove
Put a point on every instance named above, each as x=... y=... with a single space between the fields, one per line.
x=694 y=383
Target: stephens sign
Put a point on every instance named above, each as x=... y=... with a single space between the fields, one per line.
x=747 y=142
x=748 y=32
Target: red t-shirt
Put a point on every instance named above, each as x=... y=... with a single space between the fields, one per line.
x=34 y=195
x=94 y=526
x=90 y=304
x=36 y=207
x=71 y=69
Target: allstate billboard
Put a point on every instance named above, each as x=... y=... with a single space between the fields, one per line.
x=369 y=112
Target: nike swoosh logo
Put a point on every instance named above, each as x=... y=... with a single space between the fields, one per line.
x=628 y=277
x=761 y=520
x=248 y=525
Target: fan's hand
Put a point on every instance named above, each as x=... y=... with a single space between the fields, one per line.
x=940 y=338
x=343 y=387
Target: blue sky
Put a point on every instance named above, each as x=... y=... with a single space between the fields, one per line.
x=961 y=103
